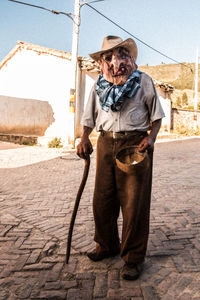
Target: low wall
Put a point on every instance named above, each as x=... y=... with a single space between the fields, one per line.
x=19 y=139
x=20 y=116
x=184 y=117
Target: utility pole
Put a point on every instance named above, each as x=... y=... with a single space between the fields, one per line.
x=196 y=90
x=73 y=87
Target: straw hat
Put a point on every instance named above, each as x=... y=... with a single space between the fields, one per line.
x=111 y=42
x=131 y=161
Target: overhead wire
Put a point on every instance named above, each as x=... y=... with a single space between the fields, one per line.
x=70 y=15
x=129 y=33
x=84 y=2
x=44 y=8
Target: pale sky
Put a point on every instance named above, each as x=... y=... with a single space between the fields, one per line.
x=172 y=26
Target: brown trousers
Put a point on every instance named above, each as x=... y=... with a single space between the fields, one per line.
x=115 y=189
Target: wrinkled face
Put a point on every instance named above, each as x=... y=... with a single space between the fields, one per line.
x=117 y=65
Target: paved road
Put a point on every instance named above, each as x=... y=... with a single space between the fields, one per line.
x=37 y=192
x=6 y=146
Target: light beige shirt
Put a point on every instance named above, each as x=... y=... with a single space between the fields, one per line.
x=136 y=113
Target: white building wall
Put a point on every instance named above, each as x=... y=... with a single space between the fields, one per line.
x=89 y=82
x=44 y=77
x=86 y=81
x=166 y=121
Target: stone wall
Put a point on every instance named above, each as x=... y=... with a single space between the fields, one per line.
x=184 y=117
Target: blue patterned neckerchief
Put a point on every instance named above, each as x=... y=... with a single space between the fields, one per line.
x=111 y=96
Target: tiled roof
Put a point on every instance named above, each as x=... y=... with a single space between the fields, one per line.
x=39 y=49
x=164 y=86
x=44 y=50
x=88 y=64
x=84 y=62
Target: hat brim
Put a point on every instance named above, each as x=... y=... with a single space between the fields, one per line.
x=131 y=161
x=129 y=44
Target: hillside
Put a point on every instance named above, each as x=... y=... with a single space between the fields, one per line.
x=178 y=75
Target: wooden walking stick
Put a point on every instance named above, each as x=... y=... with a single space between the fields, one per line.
x=76 y=205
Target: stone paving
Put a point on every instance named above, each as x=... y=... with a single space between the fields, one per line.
x=37 y=192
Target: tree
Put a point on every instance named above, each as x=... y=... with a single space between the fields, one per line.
x=184 y=99
x=178 y=102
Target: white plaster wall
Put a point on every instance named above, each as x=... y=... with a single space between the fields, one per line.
x=86 y=81
x=42 y=77
x=166 y=121
x=90 y=79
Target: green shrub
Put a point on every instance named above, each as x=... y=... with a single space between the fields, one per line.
x=178 y=102
x=184 y=99
x=55 y=143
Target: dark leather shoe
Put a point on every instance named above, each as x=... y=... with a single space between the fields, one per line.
x=131 y=271
x=94 y=256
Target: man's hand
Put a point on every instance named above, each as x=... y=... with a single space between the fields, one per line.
x=146 y=144
x=84 y=148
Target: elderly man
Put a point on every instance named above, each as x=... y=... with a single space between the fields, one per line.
x=123 y=105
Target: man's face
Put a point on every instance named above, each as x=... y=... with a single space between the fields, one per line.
x=117 y=65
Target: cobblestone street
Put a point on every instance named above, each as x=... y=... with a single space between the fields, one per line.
x=37 y=192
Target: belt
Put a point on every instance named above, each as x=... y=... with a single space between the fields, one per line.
x=122 y=134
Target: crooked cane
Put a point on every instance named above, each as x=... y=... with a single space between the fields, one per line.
x=76 y=205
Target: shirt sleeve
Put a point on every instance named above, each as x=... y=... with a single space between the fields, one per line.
x=89 y=115
x=154 y=106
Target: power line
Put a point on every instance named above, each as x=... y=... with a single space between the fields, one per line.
x=85 y=2
x=137 y=37
x=44 y=8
